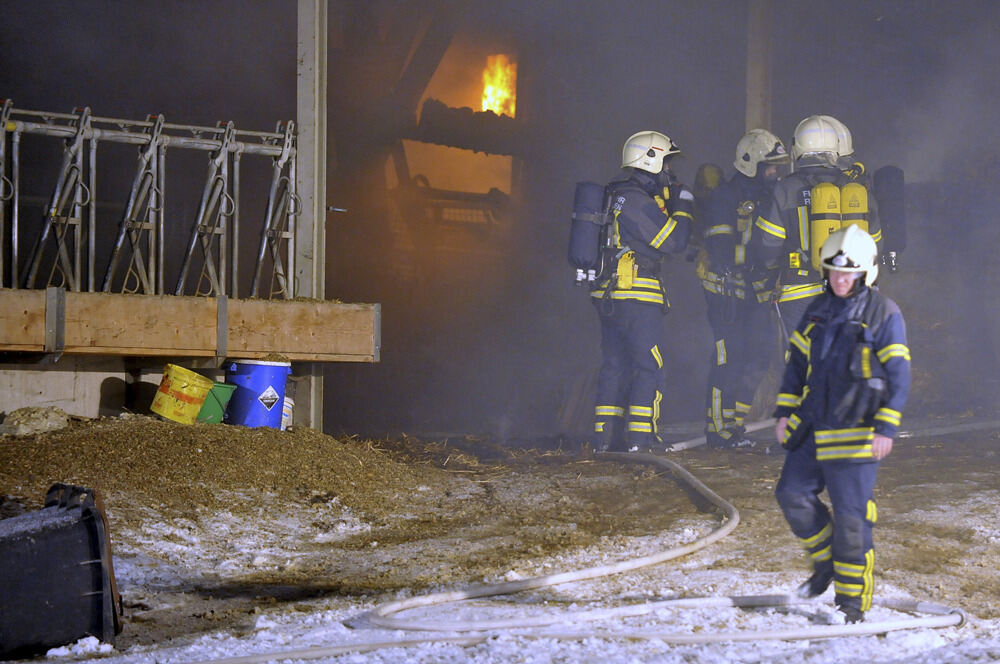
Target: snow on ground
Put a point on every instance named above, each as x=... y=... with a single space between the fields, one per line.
x=216 y=562
x=320 y=623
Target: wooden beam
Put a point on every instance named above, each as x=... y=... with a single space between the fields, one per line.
x=481 y=131
x=311 y=163
x=758 y=111
x=427 y=55
x=22 y=320
x=178 y=326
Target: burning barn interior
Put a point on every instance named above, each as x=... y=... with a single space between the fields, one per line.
x=471 y=286
x=443 y=307
x=452 y=213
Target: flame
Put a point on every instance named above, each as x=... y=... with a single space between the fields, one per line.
x=499 y=80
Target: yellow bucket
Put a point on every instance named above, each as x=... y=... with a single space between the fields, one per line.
x=181 y=395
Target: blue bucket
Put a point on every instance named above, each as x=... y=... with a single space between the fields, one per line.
x=259 y=394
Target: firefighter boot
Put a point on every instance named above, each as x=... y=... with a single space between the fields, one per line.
x=816 y=584
x=650 y=443
x=612 y=439
x=728 y=439
x=852 y=614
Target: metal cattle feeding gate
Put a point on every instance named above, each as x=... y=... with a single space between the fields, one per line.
x=64 y=253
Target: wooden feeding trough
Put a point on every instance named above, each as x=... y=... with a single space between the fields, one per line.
x=56 y=321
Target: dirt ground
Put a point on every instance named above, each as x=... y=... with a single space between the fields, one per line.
x=334 y=517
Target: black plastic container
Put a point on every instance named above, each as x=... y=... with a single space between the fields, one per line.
x=57 y=582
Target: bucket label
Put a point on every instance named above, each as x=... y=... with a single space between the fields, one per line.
x=268 y=397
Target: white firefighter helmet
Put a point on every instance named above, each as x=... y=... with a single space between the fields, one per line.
x=851 y=250
x=758 y=146
x=818 y=135
x=844 y=138
x=646 y=150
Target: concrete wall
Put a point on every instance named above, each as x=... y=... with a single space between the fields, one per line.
x=87 y=387
x=82 y=386
x=103 y=386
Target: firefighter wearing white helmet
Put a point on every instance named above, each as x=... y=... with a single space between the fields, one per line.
x=759 y=146
x=736 y=288
x=851 y=250
x=838 y=409
x=845 y=141
x=647 y=151
x=818 y=135
x=824 y=193
x=650 y=216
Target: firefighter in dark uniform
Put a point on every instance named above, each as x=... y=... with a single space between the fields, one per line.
x=652 y=215
x=737 y=291
x=707 y=179
x=825 y=192
x=839 y=408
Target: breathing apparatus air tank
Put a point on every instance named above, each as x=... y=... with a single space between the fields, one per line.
x=824 y=218
x=888 y=189
x=854 y=205
x=588 y=231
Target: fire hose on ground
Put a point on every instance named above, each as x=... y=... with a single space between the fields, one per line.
x=384 y=616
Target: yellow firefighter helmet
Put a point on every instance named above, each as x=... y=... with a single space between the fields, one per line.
x=646 y=150
x=706 y=180
x=758 y=146
x=851 y=250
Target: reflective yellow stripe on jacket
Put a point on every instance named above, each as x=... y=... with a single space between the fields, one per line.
x=851 y=443
x=644 y=289
x=799 y=291
x=768 y=227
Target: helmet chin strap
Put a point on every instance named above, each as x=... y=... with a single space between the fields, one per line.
x=665 y=176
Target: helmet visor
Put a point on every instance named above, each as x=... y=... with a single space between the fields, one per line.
x=777 y=155
x=841 y=261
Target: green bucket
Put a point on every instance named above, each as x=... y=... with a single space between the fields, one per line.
x=215 y=403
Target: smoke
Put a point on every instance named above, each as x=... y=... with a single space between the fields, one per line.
x=948 y=133
x=482 y=328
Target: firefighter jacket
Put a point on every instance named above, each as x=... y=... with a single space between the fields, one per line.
x=729 y=224
x=785 y=243
x=841 y=345
x=649 y=221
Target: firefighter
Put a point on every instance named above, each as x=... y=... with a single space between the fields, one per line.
x=826 y=191
x=737 y=291
x=651 y=216
x=707 y=179
x=839 y=407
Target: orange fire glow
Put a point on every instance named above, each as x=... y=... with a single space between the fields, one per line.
x=499 y=80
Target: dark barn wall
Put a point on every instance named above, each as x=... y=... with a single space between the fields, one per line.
x=195 y=63
x=501 y=347
x=482 y=330
x=512 y=360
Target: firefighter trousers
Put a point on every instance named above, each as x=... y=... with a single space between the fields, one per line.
x=743 y=345
x=631 y=380
x=840 y=542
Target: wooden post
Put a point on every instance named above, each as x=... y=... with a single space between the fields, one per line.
x=758 y=114
x=310 y=225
